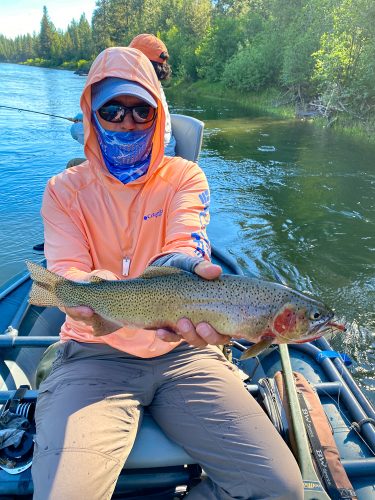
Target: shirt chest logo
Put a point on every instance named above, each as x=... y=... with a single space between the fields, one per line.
x=153 y=215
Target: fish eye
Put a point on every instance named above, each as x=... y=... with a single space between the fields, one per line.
x=314 y=315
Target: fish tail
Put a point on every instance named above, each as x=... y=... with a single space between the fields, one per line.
x=43 y=290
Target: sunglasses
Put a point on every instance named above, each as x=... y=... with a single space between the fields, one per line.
x=114 y=112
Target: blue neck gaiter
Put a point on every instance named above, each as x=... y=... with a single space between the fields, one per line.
x=127 y=155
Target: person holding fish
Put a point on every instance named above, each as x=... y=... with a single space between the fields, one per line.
x=126 y=208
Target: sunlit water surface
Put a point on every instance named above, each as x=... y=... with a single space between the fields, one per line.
x=288 y=199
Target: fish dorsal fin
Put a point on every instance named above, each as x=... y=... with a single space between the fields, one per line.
x=157 y=272
x=96 y=279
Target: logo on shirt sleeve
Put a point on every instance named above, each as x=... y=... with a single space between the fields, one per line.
x=204 y=216
x=202 y=244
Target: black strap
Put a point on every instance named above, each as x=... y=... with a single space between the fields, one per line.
x=334 y=492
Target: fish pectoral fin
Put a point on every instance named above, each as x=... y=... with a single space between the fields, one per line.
x=156 y=271
x=257 y=348
x=103 y=326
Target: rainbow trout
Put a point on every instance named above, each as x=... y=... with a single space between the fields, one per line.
x=261 y=311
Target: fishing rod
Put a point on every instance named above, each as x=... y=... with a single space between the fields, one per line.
x=313 y=487
x=74 y=120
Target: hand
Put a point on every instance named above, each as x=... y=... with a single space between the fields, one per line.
x=203 y=334
x=84 y=313
x=100 y=326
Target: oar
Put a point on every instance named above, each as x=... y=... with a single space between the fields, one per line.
x=313 y=489
x=74 y=120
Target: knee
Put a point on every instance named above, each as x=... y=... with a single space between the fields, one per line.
x=292 y=489
x=286 y=483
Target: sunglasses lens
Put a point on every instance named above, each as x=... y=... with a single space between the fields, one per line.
x=143 y=114
x=112 y=113
x=116 y=112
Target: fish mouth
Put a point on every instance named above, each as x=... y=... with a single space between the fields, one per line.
x=319 y=330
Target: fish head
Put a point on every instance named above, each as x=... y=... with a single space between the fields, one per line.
x=301 y=321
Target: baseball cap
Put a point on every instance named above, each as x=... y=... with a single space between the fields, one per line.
x=111 y=87
x=151 y=46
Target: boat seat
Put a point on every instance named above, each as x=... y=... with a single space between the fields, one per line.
x=74 y=162
x=151 y=438
x=187 y=131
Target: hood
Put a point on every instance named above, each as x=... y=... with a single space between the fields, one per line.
x=130 y=64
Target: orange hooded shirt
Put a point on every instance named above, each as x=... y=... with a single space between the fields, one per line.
x=92 y=221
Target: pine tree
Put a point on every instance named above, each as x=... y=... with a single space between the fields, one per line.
x=86 y=48
x=101 y=28
x=46 y=36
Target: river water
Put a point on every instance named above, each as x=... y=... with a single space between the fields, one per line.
x=288 y=198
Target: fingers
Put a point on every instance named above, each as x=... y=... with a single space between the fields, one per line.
x=167 y=335
x=188 y=332
x=200 y=336
x=81 y=313
x=207 y=270
x=210 y=335
x=104 y=274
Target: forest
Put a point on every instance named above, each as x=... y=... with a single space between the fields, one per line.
x=318 y=53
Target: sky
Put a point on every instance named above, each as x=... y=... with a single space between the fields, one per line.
x=19 y=17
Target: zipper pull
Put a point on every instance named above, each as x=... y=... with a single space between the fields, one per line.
x=125 y=266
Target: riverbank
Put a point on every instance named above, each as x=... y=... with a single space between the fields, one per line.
x=274 y=102
x=81 y=67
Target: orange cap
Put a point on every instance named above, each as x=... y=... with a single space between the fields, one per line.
x=151 y=46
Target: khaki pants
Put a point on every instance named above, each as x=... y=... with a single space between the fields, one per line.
x=90 y=406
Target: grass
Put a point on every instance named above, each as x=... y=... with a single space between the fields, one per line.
x=360 y=130
x=266 y=100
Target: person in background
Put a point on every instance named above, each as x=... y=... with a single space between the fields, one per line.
x=126 y=207
x=157 y=52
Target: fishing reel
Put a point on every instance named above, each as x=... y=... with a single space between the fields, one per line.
x=19 y=414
